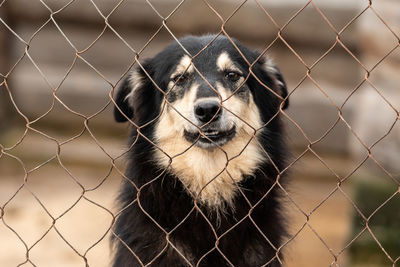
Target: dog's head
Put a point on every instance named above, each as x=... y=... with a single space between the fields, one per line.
x=207 y=98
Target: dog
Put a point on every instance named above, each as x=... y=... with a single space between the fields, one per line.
x=207 y=149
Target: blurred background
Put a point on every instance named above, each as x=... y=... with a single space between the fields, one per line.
x=61 y=153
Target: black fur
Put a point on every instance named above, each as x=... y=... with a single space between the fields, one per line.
x=167 y=202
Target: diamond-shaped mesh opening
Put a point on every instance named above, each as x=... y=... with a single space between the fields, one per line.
x=63 y=159
x=15 y=221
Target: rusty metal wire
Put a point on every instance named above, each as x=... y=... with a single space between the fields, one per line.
x=7 y=151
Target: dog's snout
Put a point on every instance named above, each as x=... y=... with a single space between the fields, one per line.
x=207 y=111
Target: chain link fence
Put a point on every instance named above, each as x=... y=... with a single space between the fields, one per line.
x=58 y=192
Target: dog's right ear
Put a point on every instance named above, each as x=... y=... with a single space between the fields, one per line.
x=125 y=111
x=126 y=93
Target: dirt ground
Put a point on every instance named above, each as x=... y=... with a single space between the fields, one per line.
x=27 y=229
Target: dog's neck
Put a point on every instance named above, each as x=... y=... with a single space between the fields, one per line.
x=212 y=176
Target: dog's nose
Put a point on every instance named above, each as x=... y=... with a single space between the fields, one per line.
x=207 y=111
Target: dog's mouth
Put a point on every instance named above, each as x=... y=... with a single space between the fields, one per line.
x=210 y=137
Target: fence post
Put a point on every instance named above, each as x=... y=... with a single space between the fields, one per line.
x=6 y=113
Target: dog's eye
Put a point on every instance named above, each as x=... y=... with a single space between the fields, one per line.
x=232 y=76
x=180 y=79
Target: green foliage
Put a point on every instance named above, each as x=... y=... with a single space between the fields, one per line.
x=384 y=224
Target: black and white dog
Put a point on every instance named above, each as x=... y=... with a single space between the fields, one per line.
x=206 y=152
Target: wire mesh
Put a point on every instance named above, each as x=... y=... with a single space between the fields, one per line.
x=79 y=55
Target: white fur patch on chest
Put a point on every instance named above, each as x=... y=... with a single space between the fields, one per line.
x=211 y=175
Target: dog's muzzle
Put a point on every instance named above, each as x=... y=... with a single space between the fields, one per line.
x=212 y=129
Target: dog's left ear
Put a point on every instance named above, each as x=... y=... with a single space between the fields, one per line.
x=279 y=84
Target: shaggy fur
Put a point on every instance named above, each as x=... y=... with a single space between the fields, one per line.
x=207 y=193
